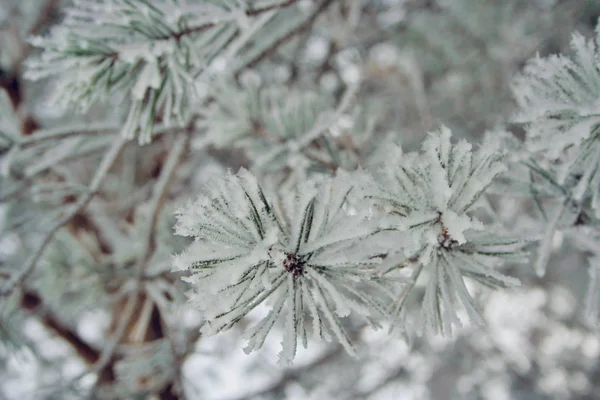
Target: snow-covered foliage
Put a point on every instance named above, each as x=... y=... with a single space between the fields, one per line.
x=153 y=52
x=306 y=251
x=559 y=99
x=270 y=124
x=431 y=194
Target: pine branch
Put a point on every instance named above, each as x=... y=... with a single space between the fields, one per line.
x=321 y=125
x=310 y=255
x=108 y=161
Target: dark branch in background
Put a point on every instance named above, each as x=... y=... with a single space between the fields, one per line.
x=288 y=36
x=292 y=375
x=250 y=13
x=47 y=13
x=10 y=80
x=160 y=193
x=33 y=303
x=123 y=319
x=11 y=84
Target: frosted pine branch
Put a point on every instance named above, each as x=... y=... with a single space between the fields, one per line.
x=305 y=251
x=168 y=45
x=429 y=195
x=558 y=98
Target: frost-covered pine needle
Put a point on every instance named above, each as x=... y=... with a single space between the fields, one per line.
x=302 y=252
x=430 y=194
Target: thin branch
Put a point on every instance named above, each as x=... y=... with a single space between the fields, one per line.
x=44 y=135
x=332 y=166
x=158 y=198
x=288 y=36
x=157 y=201
x=26 y=180
x=545 y=248
x=396 y=373
x=31 y=301
x=176 y=387
x=250 y=13
x=292 y=375
x=109 y=350
x=108 y=161
x=257 y=11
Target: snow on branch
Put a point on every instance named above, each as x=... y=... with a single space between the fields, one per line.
x=559 y=99
x=429 y=195
x=307 y=252
x=149 y=51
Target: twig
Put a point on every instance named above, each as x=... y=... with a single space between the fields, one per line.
x=30 y=141
x=292 y=375
x=31 y=301
x=397 y=372
x=323 y=123
x=245 y=35
x=271 y=7
x=107 y=162
x=288 y=36
x=176 y=387
x=62 y=133
x=250 y=13
x=545 y=248
x=45 y=135
x=26 y=179
x=158 y=198
x=44 y=18
x=313 y=157
x=156 y=203
x=109 y=350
